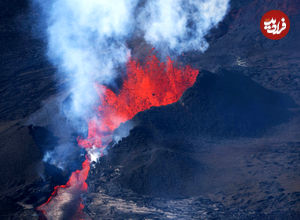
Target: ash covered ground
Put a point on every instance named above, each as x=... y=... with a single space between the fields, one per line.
x=228 y=149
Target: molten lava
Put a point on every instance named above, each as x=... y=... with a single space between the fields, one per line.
x=154 y=83
x=67 y=197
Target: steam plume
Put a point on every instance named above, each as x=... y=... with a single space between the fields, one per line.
x=87 y=38
x=181 y=25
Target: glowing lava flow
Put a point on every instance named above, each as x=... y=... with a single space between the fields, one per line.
x=67 y=197
x=154 y=83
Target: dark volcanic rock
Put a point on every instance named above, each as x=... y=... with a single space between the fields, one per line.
x=226 y=150
x=27 y=78
x=25 y=181
x=160 y=158
x=19 y=167
x=237 y=43
x=168 y=153
x=226 y=104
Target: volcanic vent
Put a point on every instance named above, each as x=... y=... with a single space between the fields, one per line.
x=153 y=83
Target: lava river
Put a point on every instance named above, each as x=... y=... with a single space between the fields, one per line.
x=152 y=83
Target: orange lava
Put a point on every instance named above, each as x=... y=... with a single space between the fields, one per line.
x=75 y=185
x=154 y=83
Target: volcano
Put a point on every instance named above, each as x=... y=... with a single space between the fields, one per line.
x=159 y=164
x=153 y=84
x=187 y=150
x=204 y=135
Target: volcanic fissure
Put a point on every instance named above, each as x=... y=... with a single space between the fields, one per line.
x=146 y=85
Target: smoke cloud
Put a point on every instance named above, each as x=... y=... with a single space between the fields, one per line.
x=181 y=25
x=87 y=39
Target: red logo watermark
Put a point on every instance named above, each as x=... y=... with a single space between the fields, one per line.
x=275 y=24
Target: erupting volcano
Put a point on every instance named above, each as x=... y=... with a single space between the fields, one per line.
x=152 y=83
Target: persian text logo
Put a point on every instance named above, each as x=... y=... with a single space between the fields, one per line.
x=275 y=24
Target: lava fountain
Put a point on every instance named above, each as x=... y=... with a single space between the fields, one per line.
x=152 y=83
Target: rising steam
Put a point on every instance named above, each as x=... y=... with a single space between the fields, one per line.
x=87 y=41
x=87 y=38
x=180 y=25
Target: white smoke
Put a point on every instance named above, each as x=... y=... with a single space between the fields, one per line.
x=181 y=25
x=87 y=39
x=87 y=42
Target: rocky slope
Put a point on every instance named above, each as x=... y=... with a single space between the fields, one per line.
x=242 y=177
x=217 y=142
